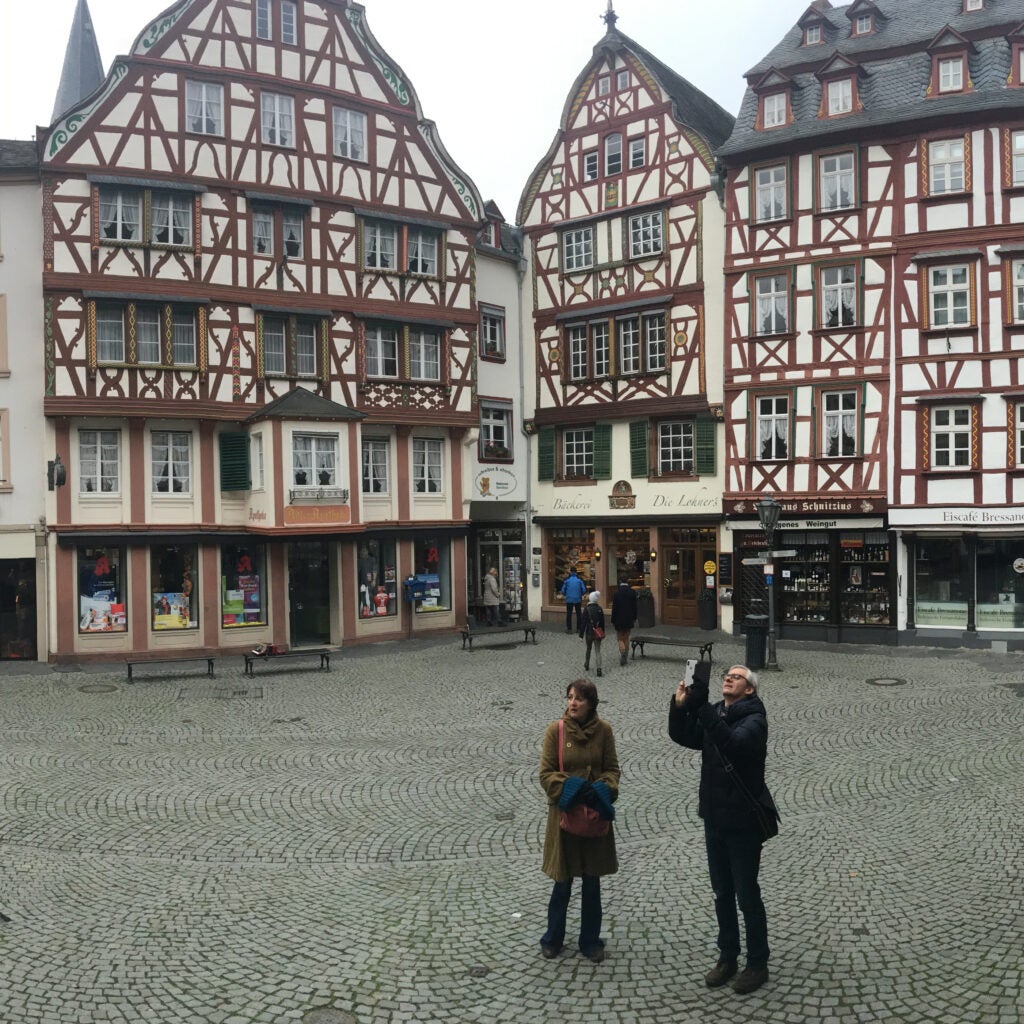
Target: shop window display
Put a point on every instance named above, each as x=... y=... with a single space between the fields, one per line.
x=1000 y=586
x=377 y=593
x=941 y=571
x=432 y=556
x=864 y=575
x=569 y=549
x=243 y=585
x=806 y=577
x=101 y=591
x=632 y=550
x=173 y=599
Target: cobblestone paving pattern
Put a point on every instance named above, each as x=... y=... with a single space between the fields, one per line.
x=364 y=845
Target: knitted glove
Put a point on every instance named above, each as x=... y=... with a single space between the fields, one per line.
x=603 y=800
x=570 y=792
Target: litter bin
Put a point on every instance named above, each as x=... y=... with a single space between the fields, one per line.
x=707 y=611
x=756 y=628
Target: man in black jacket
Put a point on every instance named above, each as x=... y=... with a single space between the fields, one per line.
x=737 y=728
x=623 y=616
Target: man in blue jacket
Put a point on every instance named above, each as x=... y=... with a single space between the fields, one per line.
x=737 y=728
x=573 y=590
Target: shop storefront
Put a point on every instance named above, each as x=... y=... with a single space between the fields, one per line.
x=17 y=609
x=837 y=580
x=499 y=546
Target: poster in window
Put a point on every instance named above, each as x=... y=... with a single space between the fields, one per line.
x=101 y=606
x=170 y=611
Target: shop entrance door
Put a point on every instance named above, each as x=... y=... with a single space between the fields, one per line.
x=684 y=553
x=18 y=608
x=309 y=594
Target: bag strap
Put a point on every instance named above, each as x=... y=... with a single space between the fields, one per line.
x=561 y=736
x=730 y=770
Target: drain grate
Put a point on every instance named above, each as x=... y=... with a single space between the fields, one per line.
x=328 y=1015
x=220 y=693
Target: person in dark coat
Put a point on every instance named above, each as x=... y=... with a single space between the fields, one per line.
x=573 y=590
x=590 y=772
x=592 y=630
x=737 y=726
x=623 y=616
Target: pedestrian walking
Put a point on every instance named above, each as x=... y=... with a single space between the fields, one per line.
x=579 y=772
x=623 y=616
x=732 y=736
x=573 y=590
x=492 y=596
x=592 y=630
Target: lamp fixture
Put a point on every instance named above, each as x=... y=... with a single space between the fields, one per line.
x=597 y=554
x=56 y=473
x=654 y=555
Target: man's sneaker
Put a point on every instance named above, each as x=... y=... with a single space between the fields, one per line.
x=549 y=952
x=720 y=973
x=595 y=955
x=749 y=979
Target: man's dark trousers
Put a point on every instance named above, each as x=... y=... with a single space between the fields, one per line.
x=734 y=859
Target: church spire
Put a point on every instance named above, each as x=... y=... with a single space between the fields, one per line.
x=610 y=17
x=82 y=73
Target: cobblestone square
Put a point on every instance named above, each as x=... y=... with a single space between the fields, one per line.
x=363 y=845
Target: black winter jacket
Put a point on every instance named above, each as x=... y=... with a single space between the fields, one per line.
x=624 y=608
x=742 y=735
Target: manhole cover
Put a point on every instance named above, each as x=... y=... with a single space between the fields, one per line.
x=98 y=688
x=478 y=971
x=328 y=1015
x=887 y=682
x=505 y=816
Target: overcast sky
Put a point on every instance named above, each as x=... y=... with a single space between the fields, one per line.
x=492 y=74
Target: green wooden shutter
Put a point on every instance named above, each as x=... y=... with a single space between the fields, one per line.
x=602 y=451
x=638 y=450
x=546 y=453
x=234 y=462
x=704 y=432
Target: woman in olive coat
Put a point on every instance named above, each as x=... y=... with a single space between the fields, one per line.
x=588 y=755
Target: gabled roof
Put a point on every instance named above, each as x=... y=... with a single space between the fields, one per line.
x=836 y=64
x=82 y=73
x=814 y=15
x=772 y=78
x=859 y=7
x=949 y=37
x=895 y=70
x=302 y=404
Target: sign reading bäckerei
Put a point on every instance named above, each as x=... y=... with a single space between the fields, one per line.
x=954 y=517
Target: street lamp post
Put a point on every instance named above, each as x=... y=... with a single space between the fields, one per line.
x=768 y=511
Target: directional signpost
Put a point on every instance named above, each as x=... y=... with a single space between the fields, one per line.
x=768 y=511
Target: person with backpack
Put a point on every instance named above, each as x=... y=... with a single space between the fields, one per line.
x=592 y=630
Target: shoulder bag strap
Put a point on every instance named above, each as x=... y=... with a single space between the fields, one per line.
x=561 y=734
x=730 y=770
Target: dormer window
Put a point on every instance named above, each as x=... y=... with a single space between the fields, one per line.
x=773 y=109
x=812 y=35
x=951 y=74
x=973 y=5
x=840 y=97
x=863 y=25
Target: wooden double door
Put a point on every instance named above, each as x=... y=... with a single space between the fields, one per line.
x=682 y=556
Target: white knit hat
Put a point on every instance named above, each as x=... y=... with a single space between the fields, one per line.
x=595 y=596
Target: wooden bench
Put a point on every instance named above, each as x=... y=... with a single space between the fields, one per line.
x=168 y=661
x=703 y=646
x=323 y=653
x=471 y=633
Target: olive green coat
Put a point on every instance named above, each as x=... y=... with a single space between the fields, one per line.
x=589 y=752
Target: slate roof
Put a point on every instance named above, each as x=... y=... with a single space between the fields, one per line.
x=82 y=73
x=892 y=84
x=18 y=156
x=302 y=404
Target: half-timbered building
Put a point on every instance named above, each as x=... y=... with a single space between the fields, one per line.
x=261 y=330
x=874 y=318
x=624 y=236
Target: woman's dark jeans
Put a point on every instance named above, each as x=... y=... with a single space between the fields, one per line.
x=734 y=859
x=590 y=915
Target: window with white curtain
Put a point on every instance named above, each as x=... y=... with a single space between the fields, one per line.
x=120 y=215
x=263 y=232
x=422 y=251
x=381 y=351
x=172 y=218
x=839 y=296
x=1018 y=292
x=314 y=460
x=424 y=355
x=99 y=461
x=951 y=74
x=204 y=108
x=376 y=456
x=183 y=338
x=274 y=345
x=840 y=424
x=1017 y=144
x=773 y=110
x=772 y=304
x=770 y=193
x=349 y=134
x=380 y=245
x=109 y=334
x=163 y=335
x=171 y=461
x=291 y=228
x=147 y=335
x=772 y=428
x=840 y=97
x=836 y=182
x=427 y=454
x=277 y=119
